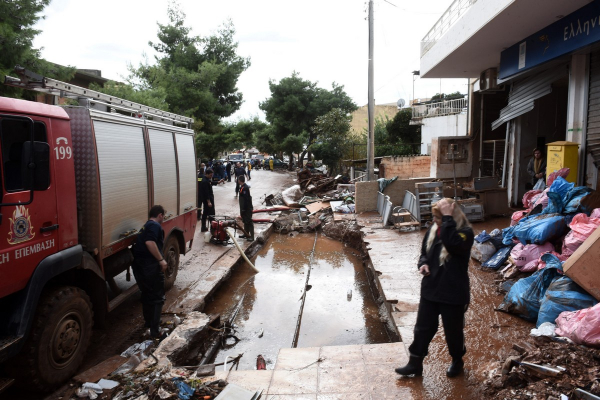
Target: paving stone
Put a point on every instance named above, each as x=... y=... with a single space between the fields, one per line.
x=344 y=378
x=251 y=380
x=384 y=353
x=296 y=358
x=338 y=355
x=302 y=381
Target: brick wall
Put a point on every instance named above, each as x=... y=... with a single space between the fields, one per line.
x=405 y=167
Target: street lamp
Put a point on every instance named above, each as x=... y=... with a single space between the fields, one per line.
x=415 y=73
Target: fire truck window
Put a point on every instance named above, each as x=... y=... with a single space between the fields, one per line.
x=14 y=134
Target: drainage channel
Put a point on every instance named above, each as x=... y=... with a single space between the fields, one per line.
x=338 y=307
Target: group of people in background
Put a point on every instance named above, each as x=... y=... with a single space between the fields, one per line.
x=207 y=177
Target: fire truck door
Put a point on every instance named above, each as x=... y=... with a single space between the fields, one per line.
x=28 y=228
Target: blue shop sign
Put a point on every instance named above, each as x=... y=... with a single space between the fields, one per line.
x=578 y=29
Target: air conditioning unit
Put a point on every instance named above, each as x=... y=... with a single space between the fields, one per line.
x=489 y=80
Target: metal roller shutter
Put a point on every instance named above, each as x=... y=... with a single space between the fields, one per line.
x=164 y=170
x=523 y=94
x=593 y=128
x=187 y=172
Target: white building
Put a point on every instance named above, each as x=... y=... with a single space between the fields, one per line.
x=535 y=78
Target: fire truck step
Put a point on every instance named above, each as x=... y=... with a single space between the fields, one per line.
x=5 y=383
x=8 y=341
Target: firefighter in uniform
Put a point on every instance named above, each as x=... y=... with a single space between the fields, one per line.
x=205 y=192
x=148 y=268
x=246 y=208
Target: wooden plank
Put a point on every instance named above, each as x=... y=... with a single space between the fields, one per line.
x=317 y=206
x=101 y=370
x=343 y=217
x=412 y=223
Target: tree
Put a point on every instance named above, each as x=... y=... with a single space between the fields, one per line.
x=17 y=18
x=400 y=132
x=332 y=131
x=295 y=104
x=152 y=97
x=198 y=75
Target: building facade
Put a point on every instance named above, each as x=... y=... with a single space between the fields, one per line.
x=534 y=70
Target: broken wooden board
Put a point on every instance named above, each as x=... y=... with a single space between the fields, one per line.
x=101 y=370
x=318 y=206
x=343 y=217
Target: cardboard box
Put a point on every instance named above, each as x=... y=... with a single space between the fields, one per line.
x=583 y=266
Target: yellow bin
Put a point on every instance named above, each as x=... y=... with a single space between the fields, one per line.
x=563 y=155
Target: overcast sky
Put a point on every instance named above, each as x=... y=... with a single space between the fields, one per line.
x=323 y=40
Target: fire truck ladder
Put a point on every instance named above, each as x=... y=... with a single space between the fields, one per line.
x=92 y=99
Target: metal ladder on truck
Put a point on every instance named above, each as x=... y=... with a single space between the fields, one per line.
x=93 y=99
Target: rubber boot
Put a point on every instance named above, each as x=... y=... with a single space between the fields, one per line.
x=455 y=368
x=414 y=367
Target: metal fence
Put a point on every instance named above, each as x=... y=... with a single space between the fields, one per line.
x=446 y=107
x=456 y=10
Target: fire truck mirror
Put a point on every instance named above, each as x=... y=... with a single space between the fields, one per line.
x=35 y=167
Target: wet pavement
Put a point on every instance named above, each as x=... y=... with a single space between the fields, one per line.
x=489 y=334
x=271 y=299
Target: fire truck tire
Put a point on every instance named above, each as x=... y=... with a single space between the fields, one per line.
x=59 y=338
x=171 y=253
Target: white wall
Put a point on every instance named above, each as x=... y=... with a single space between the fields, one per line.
x=449 y=125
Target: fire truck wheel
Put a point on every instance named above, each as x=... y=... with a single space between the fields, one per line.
x=60 y=336
x=172 y=257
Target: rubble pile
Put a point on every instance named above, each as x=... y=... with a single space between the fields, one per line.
x=577 y=366
x=317 y=201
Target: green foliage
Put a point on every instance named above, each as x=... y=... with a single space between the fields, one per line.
x=295 y=104
x=198 y=77
x=17 y=18
x=332 y=131
x=400 y=132
x=241 y=134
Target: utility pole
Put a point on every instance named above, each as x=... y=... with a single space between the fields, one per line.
x=371 y=104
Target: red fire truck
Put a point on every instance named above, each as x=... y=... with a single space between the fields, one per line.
x=76 y=185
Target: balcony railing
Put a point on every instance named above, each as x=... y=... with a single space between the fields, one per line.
x=456 y=10
x=446 y=107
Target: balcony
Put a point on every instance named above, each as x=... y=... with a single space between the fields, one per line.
x=440 y=109
x=456 y=10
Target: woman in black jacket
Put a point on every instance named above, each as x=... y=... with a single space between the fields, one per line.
x=444 y=265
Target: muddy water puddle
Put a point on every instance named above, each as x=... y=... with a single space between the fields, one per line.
x=271 y=300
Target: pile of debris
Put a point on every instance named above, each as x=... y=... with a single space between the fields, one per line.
x=538 y=258
x=316 y=201
x=546 y=369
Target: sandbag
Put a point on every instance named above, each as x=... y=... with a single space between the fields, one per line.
x=538 y=229
x=582 y=327
x=525 y=296
x=483 y=251
x=582 y=227
x=563 y=295
x=524 y=254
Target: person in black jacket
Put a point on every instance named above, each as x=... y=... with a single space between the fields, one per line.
x=148 y=268
x=206 y=196
x=444 y=264
x=238 y=171
x=246 y=208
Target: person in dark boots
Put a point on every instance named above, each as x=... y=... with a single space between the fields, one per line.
x=148 y=268
x=444 y=264
x=207 y=197
x=246 y=208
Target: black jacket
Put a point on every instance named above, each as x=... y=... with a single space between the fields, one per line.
x=447 y=283
x=239 y=171
x=245 y=199
x=205 y=191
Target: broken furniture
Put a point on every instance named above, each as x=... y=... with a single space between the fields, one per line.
x=424 y=194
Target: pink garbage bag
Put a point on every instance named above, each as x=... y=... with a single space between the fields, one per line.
x=561 y=257
x=541 y=198
x=517 y=216
x=595 y=213
x=528 y=198
x=582 y=227
x=564 y=172
x=581 y=326
x=530 y=266
x=523 y=255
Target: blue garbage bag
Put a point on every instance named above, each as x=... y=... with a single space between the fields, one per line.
x=525 y=296
x=540 y=228
x=561 y=186
x=555 y=204
x=508 y=234
x=574 y=197
x=563 y=295
x=482 y=237
x=185 y=391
